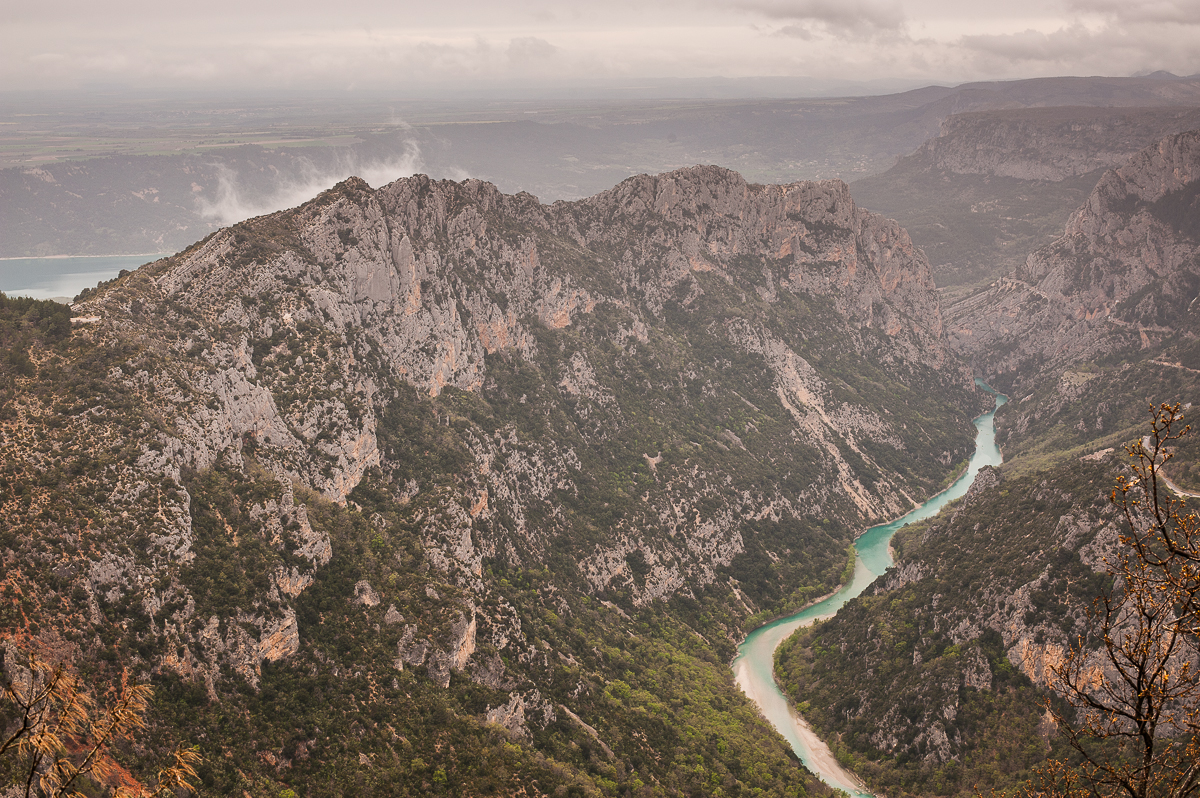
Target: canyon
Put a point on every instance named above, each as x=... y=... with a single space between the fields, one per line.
x=433 y=484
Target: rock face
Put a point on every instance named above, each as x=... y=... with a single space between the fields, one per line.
x=437 y=432
x=1123 y=275
x=997 y=185
x=312 y=320
x=1051 y=144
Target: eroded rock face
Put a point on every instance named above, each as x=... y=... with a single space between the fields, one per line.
x=644 y=393
x=313 y=320
x=1123 y=275
x=1048 y=143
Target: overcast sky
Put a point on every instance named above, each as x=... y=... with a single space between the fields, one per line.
x=390 y=44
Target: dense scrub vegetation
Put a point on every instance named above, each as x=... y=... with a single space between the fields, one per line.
x=26 y=327
x=341 y=718
x=923 y=684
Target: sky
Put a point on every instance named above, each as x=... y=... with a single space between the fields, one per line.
x=399 y=45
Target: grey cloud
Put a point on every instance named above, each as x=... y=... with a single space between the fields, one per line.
x=1185 y=12
x=430 y=59
x=226 y=15
x=530 y=49
x=1032 y=45
x=1112 y=49
x=852 y=16
x=408 y=47
x=796 y=32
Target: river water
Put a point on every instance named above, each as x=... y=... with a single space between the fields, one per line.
x=754 y=666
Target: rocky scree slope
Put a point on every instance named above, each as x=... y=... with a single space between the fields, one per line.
x=454 y=419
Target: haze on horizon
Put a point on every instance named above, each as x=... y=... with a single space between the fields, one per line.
x=479 y=46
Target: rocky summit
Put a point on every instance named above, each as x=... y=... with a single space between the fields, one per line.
x=430 y=484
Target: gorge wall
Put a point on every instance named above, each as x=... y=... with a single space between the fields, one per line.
x=1122 y=276
x=437 y=449
x=995 y=185
x=934 y=683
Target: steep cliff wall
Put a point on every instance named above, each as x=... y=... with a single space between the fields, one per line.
x=437 y=449
x=1122 y=276
x=312 y=320
x=995 y=185
x=1051 y=144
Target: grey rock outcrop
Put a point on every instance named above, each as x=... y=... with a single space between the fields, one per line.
x=1049 y=143
x=639 y=393
x=321 y=313
x=1123 y=275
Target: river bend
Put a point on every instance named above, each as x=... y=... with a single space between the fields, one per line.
x=754 y=666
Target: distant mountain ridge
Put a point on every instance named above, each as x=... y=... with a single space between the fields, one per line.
x=1049 y=144
x=1123 y=275
x=994 y=185
x=146 y=203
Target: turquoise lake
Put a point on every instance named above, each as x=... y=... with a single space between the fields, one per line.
x=51 y=278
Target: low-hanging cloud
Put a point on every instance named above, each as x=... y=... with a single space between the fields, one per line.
x=530 y=49
x=235 y=203
x=1031 y=45
x=1110 y=48
x=474 y=48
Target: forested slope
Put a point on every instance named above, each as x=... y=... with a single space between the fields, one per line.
x=932 y=682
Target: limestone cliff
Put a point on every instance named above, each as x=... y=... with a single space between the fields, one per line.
x=311 y=320
x=995 y=185
x=1123 y=275
x=438 y=446
x=1051 y=144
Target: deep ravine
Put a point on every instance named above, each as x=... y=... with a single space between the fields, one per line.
x=754 y=666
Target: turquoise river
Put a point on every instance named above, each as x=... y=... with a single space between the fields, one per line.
x=753 y=667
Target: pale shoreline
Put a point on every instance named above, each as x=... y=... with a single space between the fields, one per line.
x=822 y=757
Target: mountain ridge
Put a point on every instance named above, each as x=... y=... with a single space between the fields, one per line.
x=994 y=185
x=153 y=202
x=527 y=454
